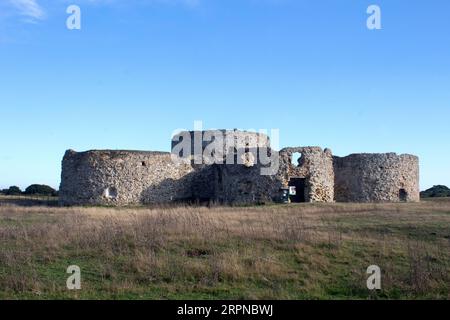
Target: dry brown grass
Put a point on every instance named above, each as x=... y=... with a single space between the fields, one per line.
x=288 y=251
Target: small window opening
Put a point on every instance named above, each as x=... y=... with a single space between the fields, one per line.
x=110 y=193
x=245 y=187
x=296 y=159
x=144 y=164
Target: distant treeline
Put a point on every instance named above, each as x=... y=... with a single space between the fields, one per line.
x=34 y=189
x=42 y=189
x=436 y=192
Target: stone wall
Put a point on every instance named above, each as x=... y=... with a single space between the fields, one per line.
x=135 y=177
x=225 y=145
x=376 y=178
x=233 y=141
x=245 y=184
x=241 y=184
x=316 y=166
x=123 y=178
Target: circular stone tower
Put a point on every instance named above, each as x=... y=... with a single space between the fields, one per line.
x=193 y=144
x=386 y=177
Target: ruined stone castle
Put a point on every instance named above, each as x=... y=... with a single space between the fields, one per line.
x=120 y=178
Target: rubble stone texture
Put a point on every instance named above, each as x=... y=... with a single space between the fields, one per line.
x=316 y=166
x=377 y=178
x=120 y=178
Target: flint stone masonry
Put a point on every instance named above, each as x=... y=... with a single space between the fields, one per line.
x=240 y=184
x=231 y=141
x=123 y=178
x=316 y=166
x=377 y=178
x=120 y=178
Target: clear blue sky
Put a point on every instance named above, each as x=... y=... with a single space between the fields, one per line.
x=139 y=69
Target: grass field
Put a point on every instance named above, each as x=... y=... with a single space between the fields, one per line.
x=305 y=251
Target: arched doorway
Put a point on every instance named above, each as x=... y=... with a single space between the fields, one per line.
x=403 y=195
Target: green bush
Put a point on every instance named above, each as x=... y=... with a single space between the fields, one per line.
x=40 y=189
x=436 y=192
x=12 y=191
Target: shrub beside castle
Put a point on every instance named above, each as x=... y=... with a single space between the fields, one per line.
x=438 y=191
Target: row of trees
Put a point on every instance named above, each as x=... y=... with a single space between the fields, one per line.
x=34 y=189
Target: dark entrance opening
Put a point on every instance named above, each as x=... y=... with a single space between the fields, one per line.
x=299 y=184
x=403 y=195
